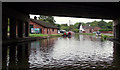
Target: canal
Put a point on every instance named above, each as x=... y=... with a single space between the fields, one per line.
x=80 y=52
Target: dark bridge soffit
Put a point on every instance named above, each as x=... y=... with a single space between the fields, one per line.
x=70 y=9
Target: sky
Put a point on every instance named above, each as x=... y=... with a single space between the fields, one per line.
x=70 y=20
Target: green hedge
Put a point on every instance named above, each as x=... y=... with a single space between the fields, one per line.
x=105 y=30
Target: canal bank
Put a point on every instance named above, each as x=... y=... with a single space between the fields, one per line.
x=33 y=37
x=104 y=36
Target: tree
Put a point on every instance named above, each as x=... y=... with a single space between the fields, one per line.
x=102 y=24
x=49 y=19
x=42 y=17
x=64 y=28
x=109 y=25
x=75 y=30
x=71 y=27
x=64 y=25
x=58 y=25
x=77 y=25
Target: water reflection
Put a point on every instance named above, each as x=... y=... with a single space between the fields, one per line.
x=116 y=54
x=40 y=52
x=75 y=53
x=15 y=56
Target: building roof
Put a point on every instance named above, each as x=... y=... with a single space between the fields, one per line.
x=43 y=23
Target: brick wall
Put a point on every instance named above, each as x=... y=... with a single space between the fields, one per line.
x=50 y=31
x=44 y=30
x=37 y=26
x=96 y=28
x=55 y=31
x=88 y=31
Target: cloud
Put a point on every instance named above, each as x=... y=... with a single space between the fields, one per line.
x=70 y=20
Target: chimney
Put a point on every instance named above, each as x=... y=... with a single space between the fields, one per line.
x=35 y=18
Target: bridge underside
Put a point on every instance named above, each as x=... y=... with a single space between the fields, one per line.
x=19 y=14
x=84 y=10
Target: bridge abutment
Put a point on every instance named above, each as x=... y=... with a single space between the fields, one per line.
x=116 y=24
x=19 y=24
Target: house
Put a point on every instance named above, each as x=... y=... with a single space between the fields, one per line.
x=38 y=26
x=88 y=29
x=81 y=30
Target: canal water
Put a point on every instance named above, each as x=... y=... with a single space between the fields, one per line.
x=80 y=52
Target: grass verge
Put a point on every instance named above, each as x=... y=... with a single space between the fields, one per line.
x=106 y=36
x=37 y=35
x=45 y=35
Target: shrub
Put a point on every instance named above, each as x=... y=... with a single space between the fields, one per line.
x=105 y=30
x=75 y=30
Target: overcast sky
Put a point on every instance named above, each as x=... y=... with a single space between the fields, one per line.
x=71 y=20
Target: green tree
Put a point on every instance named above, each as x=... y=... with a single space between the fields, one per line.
x=64 y=25
x=93 y=24
x=58 y=25
x=77 y=25
x=102 y=24
x=42 y=17
x=71 y=27
x=64 y=28
x=49 y=19
x=75 y=30
x=109 y=25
